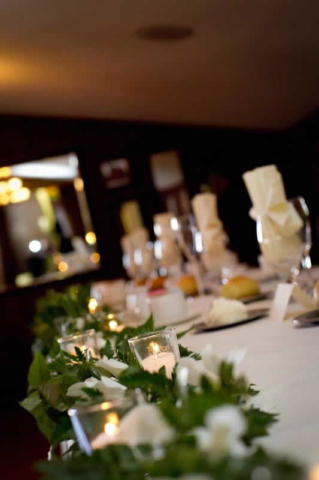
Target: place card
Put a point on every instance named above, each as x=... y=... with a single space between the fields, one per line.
x=281 y=301
x=282 y=297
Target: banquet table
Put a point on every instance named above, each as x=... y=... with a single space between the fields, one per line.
x=283 y=363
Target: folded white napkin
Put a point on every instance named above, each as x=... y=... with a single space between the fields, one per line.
x=266 y=189
x=211 y=229
x=167 y=249
x=280 y=221
x=131 y=216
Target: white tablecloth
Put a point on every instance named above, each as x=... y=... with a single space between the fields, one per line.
x=283 y=362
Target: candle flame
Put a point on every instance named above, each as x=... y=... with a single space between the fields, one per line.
x=113 y=325
x=92 y=305
x=154 y=348
x=111 y=425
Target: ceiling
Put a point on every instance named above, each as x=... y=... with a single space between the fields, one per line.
x=251 y=63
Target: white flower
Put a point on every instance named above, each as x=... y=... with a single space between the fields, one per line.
x=144 y=424
x=196 y=370
x=209 y=365
x=108 y=387
x=222 y=434
x=80 y=322
x=110 y=365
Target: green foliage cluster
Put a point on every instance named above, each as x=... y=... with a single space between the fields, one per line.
x=48 y=402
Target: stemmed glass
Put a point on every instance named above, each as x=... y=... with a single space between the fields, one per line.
x=303 y=211
x=189 y=241
x=139 y=263
x=287 y=253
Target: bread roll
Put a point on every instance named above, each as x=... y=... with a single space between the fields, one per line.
x=240 y=287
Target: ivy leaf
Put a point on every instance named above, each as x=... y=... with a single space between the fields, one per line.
x=31 y=402
x=92 y=392
x=87 y=370
x=54 y=392
x=252 y=391
x=185 y=352
x=107 y=350
x=45 y=424
x=184 y=332
x=39 y=371
x=63 y=431
x=79 y=354
x=154 y=385
x=258 y=423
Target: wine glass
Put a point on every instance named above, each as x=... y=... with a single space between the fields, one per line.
x=166 y=250
x=303 y=211
x=189 y=241
x=286 y=253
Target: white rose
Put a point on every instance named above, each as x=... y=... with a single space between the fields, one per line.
x=110 y=365
x=144 y=424
x=108 y=387
x=209 y=365
x=221 y=435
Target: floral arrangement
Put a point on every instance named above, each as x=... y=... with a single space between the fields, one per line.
x=68 y=309
x=210 y=433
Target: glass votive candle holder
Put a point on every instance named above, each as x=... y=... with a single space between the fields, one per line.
x=155 y=350
x=96 y=426
x=86 y=340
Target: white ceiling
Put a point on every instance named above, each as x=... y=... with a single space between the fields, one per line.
x=251 y=63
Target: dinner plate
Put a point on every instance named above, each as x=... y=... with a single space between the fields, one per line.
x=255 y=298
x=252 y=316
x=309 y=319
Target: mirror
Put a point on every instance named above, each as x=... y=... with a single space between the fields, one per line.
x=45 y=226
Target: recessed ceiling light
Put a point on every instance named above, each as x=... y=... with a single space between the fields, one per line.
x=165 y=33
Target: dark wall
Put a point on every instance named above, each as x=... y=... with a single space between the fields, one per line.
x=228 y=152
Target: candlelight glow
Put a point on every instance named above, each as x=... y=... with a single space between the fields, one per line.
x=57 y=259
x=63 y=266
x=78 y=184
x=95 y=257
x=113 y=325
x=3 y=188
x=111 y=425
x=14 y=184
x=4 y=199
x=5 y=172
x=92 y=305
x=314 y=473
x=90 y=238
x=154 y=348
x=35 y=246
x=110 y=316
x=20 y=195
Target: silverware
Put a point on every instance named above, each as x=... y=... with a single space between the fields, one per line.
x=252 y=316
x=309 y=319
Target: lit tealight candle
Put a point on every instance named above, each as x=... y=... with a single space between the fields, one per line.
x=92 y=305
x=159 y=358
x=113 y=325
x=85 y=341
x=111 y=428
x=155 y=350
